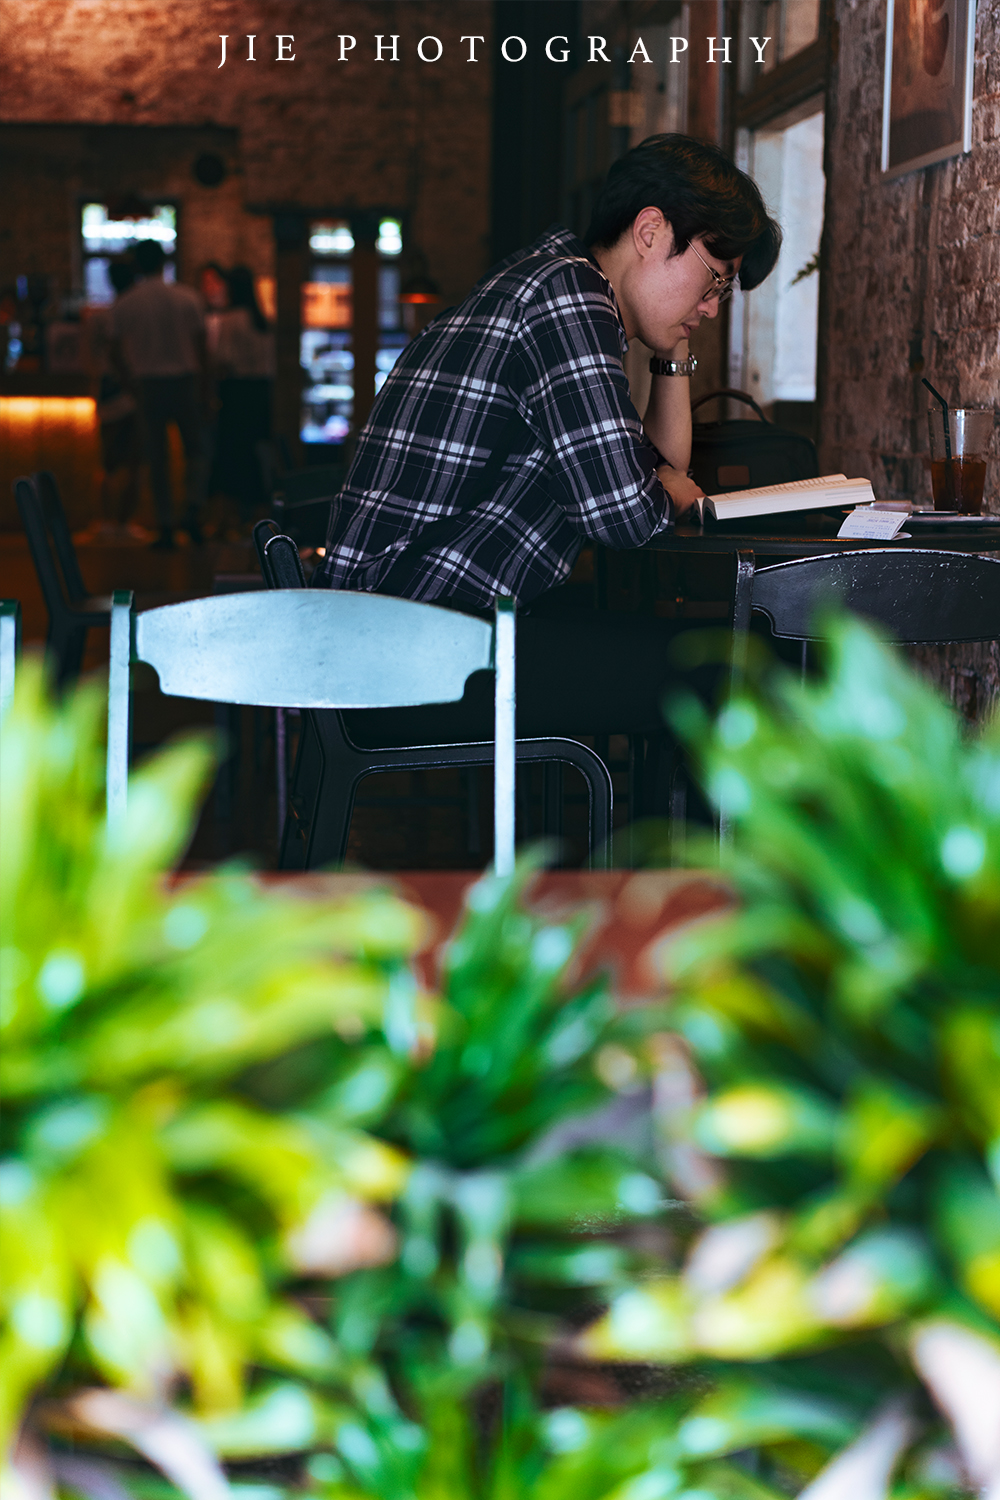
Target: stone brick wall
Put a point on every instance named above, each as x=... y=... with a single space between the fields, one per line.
x=313 y=133
x=912 y=268
x=911 y=288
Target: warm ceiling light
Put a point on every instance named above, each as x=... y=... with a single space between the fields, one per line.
x=419 y=289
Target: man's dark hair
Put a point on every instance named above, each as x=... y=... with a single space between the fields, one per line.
x=121 y=275
x=699 y=191
x=243 y=293
x=149 y=257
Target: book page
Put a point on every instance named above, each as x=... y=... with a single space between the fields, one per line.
x=780 y=499
x=781 y=489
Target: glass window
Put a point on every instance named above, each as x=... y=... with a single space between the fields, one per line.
x=331 y=237
x=791 y=25
x=329 y=313
x=327 y=299
x=106 y=233
x=390 y=237
x=388 y=297
x=773 y=329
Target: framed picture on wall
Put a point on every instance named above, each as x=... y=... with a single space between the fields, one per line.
x=927 y=107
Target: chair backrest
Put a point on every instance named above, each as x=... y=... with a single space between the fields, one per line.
x=314 y=648
x=280 y=563
x=62 y=538
x=283 y=563
x=10 y=644
x=918 y=596
x=262 y=533
x=33 y=519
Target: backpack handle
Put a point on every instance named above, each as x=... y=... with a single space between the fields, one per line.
x=734 y=395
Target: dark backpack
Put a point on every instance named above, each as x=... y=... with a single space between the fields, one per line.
x=744 y=454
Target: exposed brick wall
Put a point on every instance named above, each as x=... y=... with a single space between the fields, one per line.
x=313 y=133
x=912 y=288
x=912 y=268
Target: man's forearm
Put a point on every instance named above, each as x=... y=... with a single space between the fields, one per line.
x=667 y=422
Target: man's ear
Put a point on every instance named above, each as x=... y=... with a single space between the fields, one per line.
x=651 y=231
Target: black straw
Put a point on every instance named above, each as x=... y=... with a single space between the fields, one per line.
x=949 y=476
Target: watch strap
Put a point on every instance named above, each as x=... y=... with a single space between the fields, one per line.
x=673 y=366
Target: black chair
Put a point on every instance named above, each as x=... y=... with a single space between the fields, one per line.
x=72 y=611
x=329 y=766
x=918 y=596
x=62 y=539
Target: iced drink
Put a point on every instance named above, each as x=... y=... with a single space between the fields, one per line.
x=957 y=480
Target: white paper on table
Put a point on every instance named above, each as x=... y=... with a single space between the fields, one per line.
x=879 y=525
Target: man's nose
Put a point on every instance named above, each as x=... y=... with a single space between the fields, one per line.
x=709 y=307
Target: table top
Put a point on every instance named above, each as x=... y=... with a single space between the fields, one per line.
x=815 y=537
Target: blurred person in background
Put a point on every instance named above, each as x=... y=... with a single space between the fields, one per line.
x=118 y=419
x=244 y=363
x=213 y=288
x=158 y=346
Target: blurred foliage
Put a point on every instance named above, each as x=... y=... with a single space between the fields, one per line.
x=149 y=1202
x=840 y=1031
x=265 y=1202
x=210 y=1084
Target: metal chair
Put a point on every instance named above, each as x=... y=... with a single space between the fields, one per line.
x=315 y=649
x=62 y=537
x=72 y=611
x=329 y=766
x=918 y=596
x=10 y=645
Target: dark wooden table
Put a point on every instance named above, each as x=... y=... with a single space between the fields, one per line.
x=816 y=537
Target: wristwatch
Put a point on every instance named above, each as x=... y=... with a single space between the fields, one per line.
x=673 y=366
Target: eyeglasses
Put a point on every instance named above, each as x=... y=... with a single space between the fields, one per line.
x=722 y=286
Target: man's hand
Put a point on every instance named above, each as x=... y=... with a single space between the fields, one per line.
x=682 y=490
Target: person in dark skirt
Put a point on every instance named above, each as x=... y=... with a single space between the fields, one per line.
x=244 y=359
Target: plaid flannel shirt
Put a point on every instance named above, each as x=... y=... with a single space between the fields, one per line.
x=540 y=336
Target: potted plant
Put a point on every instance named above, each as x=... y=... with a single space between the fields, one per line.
x=840 y=1126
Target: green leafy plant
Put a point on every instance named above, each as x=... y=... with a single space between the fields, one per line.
x=150 y=1205
x=265 y=1202
x=209 y=1084
x=840 y=1033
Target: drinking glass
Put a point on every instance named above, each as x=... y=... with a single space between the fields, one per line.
x=958 y=485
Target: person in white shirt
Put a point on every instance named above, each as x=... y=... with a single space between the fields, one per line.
x=244 y=359
x=159 y=343
x=118 y=419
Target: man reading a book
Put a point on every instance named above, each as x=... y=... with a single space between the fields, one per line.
x=505 y=436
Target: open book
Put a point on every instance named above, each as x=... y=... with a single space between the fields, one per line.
x=777 y=499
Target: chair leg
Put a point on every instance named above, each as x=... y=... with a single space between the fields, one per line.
x=303 y=789
x=599 y=787
x=66 y=645
x=552 y=799
x=331 y=825
x=281 y=768
x=473 y=834
x=522 y=782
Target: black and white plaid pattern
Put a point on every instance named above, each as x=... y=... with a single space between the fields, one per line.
x=539 y=336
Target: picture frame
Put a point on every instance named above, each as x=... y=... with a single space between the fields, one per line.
x=927 y=100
